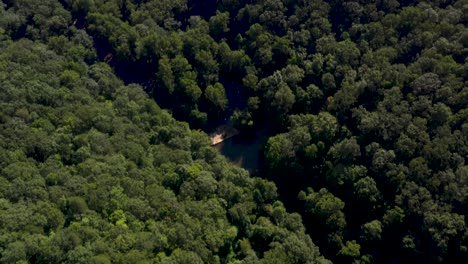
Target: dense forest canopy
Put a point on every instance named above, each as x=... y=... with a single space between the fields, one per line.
x=364 y=104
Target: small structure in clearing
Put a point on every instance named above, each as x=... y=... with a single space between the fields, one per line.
x=222 y=133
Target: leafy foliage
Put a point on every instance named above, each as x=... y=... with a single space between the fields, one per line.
x=94 y=171
x=364 y=104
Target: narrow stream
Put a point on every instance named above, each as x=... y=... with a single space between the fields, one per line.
x=244 y=151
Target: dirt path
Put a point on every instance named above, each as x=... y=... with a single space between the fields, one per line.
x=222 y=133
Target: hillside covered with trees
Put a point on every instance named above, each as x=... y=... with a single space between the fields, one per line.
x=105 y=106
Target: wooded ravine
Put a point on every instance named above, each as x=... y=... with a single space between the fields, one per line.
x=351 y=119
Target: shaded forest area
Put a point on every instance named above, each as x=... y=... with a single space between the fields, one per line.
x=366 y=102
